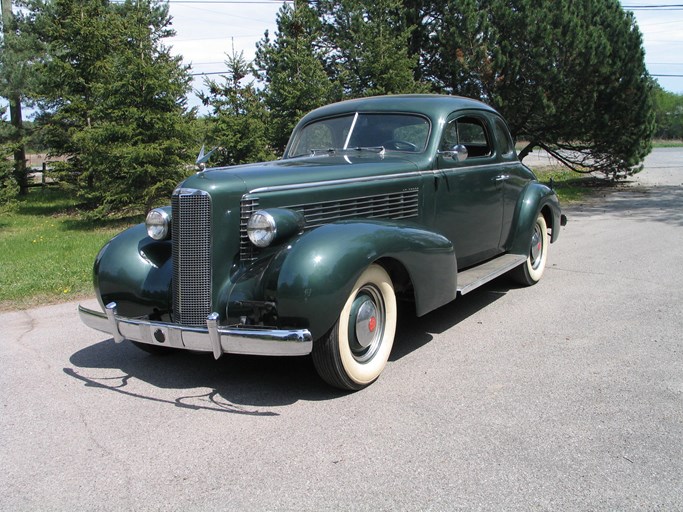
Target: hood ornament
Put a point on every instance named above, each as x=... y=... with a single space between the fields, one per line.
x=202 y=158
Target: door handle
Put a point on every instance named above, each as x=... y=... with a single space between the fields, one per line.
x=501 y=177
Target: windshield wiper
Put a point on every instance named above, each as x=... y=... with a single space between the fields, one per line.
x=333 y=151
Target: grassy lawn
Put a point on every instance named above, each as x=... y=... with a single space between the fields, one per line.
x=47 y=251
x=570 y=186
x=667 y=143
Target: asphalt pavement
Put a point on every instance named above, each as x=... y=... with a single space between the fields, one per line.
x=567 y=395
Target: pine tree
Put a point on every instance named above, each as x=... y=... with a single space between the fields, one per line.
x=239 y=122
x=114 y=101
x=19 y=50
x=366 y=47
x=8 y=184
x=291 y=66
x=569 y=75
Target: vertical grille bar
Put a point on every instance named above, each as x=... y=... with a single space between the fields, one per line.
x=247 y=207
x=191 y=256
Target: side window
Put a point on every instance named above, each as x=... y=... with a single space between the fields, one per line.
x=450 y=137
x=472 y=134
x=469 y=131
x=503 y=137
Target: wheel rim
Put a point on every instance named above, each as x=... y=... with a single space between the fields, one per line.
x=366 y=324
x=536 y=252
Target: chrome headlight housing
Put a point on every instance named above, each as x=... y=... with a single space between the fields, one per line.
x=267 y=226
x=261 y=228
x=158 y=223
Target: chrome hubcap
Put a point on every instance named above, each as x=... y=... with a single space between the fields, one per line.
x=536 y=247
x=366 y=324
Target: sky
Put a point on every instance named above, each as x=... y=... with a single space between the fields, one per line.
x=208 y=29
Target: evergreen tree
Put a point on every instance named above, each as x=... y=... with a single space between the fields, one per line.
x=19 y=50
x=456 y=52
x=8 y=185
x=366 y=47
x=239 y=124
x=114 y=101
x=291 y=66
x=568 y=75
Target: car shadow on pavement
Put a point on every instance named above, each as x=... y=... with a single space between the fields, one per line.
x=244 y=384
x=413 y=332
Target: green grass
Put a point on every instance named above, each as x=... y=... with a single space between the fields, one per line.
x=572 y=186
x=47 y=251
x=667 y=143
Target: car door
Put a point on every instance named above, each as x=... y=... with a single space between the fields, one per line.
x=469 y=195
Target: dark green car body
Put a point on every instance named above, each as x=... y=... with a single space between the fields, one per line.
x=411 y=206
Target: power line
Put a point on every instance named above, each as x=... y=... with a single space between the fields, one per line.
x=661 y=7
x=216 y=73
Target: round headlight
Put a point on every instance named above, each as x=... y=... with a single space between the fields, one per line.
x=158 y=224
x=261 y=229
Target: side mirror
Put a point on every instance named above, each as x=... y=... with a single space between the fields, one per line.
x=458 y=153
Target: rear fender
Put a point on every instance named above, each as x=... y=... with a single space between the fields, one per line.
x=535 y=199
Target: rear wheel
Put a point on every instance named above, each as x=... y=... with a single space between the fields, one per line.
x=355 y=351
x=531 y=270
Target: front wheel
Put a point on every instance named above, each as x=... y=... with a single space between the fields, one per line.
x=531 y=270
x=355 y=351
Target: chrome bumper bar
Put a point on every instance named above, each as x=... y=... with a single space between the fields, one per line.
x=219 y=340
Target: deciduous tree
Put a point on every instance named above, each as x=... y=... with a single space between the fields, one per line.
x=669 y=114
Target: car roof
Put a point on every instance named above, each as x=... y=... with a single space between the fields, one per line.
x=435 y=106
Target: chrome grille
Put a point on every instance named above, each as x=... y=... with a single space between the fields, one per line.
x=395 y=205
x=191 y=256
x=247 y=207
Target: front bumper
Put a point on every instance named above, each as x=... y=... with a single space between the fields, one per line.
x=219 y=340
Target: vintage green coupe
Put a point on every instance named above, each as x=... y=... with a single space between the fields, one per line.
x=413 y=197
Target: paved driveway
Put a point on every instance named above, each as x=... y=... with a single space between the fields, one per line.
x=565 y=395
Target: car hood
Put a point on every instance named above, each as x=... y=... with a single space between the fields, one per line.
x=305 y=171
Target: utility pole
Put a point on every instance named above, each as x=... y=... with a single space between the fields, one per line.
x=14 y=98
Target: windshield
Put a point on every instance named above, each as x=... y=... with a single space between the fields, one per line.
x=392 y=132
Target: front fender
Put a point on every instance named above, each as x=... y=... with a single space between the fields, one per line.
x=535 y=198
x=135 y=272
x=311 y=278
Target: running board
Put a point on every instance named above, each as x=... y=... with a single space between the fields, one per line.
x=474 y=277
